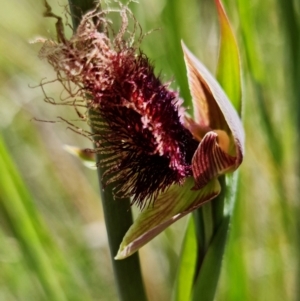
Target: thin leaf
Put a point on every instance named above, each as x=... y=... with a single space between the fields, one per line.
x=229 y=71
x=16 y=205
x=187 y=264
x=207 y=280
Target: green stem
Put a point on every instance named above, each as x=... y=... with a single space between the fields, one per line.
x=211 y=225
x=118 y=219
x=206 y=283
x=208 y=223
x=117 y=213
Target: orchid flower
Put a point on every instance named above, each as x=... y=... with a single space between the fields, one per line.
x=151 y=150
x=217 y=127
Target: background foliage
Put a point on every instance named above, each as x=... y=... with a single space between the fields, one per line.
x=52 y=236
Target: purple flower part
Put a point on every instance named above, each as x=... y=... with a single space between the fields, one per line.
x=147 y=146
x=143 y=143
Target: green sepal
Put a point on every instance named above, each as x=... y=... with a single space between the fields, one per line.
x=170 y=206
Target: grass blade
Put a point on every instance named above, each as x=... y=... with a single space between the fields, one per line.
x=187 y=264
x=17 y=207
x=207 y=280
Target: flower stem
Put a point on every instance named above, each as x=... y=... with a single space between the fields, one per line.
x=117 y=213
x=211 y=225
x=118 y=218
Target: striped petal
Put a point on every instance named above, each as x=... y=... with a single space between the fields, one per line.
x=210 y=160
x=212 y=108
x=170 y=206
x=216 y=123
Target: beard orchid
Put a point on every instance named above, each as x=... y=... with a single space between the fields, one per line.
x=150 y=149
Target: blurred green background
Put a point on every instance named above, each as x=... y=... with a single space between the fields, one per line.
x=53 y=243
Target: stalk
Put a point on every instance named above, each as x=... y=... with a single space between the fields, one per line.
x=117 y=213
x=211 y=227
